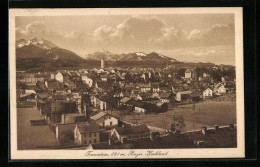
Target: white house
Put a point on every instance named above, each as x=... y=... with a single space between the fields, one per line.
x=105 y=120
x=145 y=87
x=84 y=77
x=139 y=107
x=207 y=93
x=59 y=77
x=188 y=73
x=221 y=89
x=52 y=76
x=130 y=133
x=86 y=133
x=89 y=82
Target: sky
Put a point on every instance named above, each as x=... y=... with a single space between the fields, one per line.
x=185 y=37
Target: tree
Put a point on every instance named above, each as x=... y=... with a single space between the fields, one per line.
x=164 y=123
x=178 y=124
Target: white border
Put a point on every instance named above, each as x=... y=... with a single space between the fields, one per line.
x=238 y=152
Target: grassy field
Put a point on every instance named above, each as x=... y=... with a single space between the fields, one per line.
x=206 y=113
x=29 y=137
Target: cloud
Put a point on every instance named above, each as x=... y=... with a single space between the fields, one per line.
x=153 y=32
x=139 y=28
x=35 y=28
x=134 y=33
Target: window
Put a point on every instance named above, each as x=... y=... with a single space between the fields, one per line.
x=95 y=134
x=111 y=123
x=85 y=136
x=85 y=142
x=89 y=141
x=95 y=140
x=129 y=137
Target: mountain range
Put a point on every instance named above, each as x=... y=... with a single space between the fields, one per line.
x=39 y=52
x=136 y=56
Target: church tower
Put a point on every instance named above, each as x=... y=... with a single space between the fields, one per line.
x=102 y=63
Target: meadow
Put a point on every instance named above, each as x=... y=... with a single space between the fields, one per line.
x=206 y=113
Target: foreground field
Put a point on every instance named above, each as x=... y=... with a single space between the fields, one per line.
x=32 y=137
x=206 y=113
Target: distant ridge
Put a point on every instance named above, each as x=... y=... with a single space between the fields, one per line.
x=135 y=56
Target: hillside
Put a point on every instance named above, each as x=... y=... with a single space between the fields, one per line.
x=39 y=52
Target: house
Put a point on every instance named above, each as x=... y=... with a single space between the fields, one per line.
x=145 y=87
x=155 y=87
x=102 y=87
x=84 y=77
x=74 y=76
x=66 y=77
x=103 y=77
x=161 y=107
x=220 y=89
x=86 y=133
x=64 y=129
x=59 y=107
x=70 y=84
x=41 y=98
x=108 y=102
x=196 y=95
x=124 y=101
x=188 y=74
x=32 y=79
x=95 y=100
x=122 y=134
x=59 y=77
x=104 y=119
x=207 y=93
x=230 y=87
x=139 y=107
x=27 y=97
x=89 y=78
x=51 y=76
x=183 y=95
x=166 y=97
x=227 y=79
x=71 y=118
x=219 y=136
x=55 y=85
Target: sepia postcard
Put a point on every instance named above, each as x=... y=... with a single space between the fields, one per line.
x=126 y=83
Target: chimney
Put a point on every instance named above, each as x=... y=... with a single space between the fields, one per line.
x=216 y=127
x=204 y=130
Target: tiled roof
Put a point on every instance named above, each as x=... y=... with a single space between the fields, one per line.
x=132 y=129
x=99 y=115
x=43 y=94
x=87 y=127
x=105 y=98
x=185 y=92
x=165 y=95
x=125 y=99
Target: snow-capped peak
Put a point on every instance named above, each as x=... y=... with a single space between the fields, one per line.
x=105 y=52
x=140 y=53
x=37 y=41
